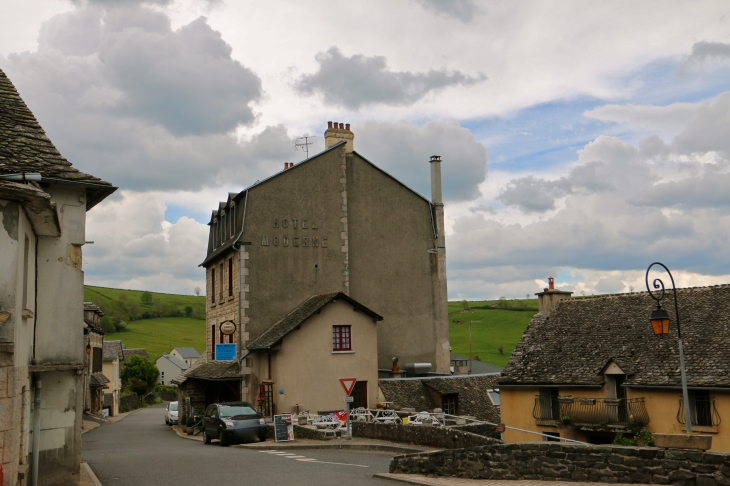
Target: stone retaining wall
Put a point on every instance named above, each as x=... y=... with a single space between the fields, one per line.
x=424 y=435
x=569 y=462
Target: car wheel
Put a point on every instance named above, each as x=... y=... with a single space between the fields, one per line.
x=206 y=439
x=223 y=440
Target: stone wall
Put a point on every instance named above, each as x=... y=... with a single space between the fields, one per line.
x=441 y=437
x=569 y=462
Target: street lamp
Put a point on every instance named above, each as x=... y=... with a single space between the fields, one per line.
x=660 y=325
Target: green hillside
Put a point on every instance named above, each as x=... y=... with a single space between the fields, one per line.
x=159 y=336
x=494 y=324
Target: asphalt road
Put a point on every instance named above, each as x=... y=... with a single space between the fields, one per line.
x=141 y=450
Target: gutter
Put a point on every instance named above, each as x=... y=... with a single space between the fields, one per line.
x=679 y=387
x=551 y=385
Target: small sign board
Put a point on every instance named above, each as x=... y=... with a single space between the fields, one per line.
x=349 y=399
x=500 y=428
x=228 y=327
x=283 y=428
x=225 y=352
x=348 y=384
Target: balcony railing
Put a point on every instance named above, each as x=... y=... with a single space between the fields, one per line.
x=702 y=412
x=625 y=412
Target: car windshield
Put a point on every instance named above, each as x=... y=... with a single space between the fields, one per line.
x=173 y=407
x=236 y=410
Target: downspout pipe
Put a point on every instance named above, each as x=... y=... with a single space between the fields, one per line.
x=237 y=246
x=35 y=458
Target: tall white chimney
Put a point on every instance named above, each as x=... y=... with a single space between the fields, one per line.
x=436 y=197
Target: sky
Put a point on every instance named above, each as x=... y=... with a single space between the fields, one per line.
x=580 y=140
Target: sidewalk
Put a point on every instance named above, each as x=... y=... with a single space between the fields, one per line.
x=87 y=476
x=443 y=481
x=356 y=443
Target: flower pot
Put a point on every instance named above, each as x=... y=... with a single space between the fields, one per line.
x=184 y=429
x=302 y=420
x=683 y=441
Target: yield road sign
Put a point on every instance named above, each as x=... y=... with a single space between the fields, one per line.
x=348 y=384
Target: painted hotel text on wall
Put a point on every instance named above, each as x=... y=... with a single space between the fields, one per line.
x=313 y=241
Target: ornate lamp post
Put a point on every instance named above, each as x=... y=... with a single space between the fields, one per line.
x=660 y=325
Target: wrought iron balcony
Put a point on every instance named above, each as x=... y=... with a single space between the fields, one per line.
x=702 y=410
x=592 y=412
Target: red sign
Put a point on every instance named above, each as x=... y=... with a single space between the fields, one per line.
x=348 y=384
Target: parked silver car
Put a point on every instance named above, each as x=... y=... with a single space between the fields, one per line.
x=171 y=413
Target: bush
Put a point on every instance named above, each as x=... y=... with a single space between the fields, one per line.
x=107 y=325
x=146 y=298
x=140 y=374
x=643 y=438
x=191 y=421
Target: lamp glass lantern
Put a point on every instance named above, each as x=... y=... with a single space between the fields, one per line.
x=88 y=349
x=660 y=321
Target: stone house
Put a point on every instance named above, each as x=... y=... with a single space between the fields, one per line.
x=43 y=205
x=170 y=366
x=113 y=361
x=332 y=223
x=94 y=378
x=187 y=355
x=127 y=352
x=465 y=395
x=589 y=368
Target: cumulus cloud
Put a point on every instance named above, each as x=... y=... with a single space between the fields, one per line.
x=623 y=207
x=464 y=10
x=702 y=51
x=135 y=248
x=404 y=149
x=359 y=80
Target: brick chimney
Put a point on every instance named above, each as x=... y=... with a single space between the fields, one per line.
x=337 y=132
x=550 y=297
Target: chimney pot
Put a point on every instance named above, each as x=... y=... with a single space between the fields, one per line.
x=329 y=124
x=337 y=133
x=347 y=126
x=551 y=283
x=335 y=125
x=436 y=195
x=342 y=126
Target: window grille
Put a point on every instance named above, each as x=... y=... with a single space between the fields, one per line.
x=341 y=339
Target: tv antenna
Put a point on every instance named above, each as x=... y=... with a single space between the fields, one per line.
x=303 y=144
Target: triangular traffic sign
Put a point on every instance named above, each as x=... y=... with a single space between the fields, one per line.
x=348 y=384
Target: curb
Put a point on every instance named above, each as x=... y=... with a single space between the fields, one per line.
x=401 y=479
x=91 y=474
x=361 y=447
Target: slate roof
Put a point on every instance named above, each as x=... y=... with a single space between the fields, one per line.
x=176 y=361
x=581 y=336
x=138 y=351
x=98 y=379
x=112 y=350
x=24 y=146
x=211 y=370
x=188 y=353
x=477 y=367
x=303 y=312
x=426 y=393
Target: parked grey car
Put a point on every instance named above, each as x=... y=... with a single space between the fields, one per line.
x=233 y=422
x=171 y=413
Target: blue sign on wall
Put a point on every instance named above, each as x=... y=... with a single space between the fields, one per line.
x=225 y=352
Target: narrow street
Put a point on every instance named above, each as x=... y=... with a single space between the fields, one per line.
x=141 y=450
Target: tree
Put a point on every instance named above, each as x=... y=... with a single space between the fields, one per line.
x=188 y=311
x=107 y=325
x=146 y=297
x=139 y=374
x=197 y=291
x=465 y=304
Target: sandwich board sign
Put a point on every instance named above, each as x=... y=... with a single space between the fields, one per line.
x=348 y=384
x=283 y=428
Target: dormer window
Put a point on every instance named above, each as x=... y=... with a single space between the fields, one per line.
x=223 y=227
x=215 y=234
x=233 y=219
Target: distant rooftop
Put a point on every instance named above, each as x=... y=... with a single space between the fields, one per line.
x=189 y=353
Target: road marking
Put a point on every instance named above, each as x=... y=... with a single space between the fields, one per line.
x=294 y=457
x=340 y=463
x=309 y=459
x=289 y=455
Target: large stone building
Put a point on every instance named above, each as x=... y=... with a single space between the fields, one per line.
x=332 y=223
x=43 y=205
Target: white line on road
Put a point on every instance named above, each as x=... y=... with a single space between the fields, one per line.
x=294 y=457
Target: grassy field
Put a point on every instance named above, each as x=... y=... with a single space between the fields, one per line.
x=494 y=324
x=159 y=336
x=96 y=294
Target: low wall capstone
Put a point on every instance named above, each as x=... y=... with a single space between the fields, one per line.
x=424 y=435
x=572 y=462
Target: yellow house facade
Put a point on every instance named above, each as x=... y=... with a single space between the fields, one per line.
x=587 y=369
